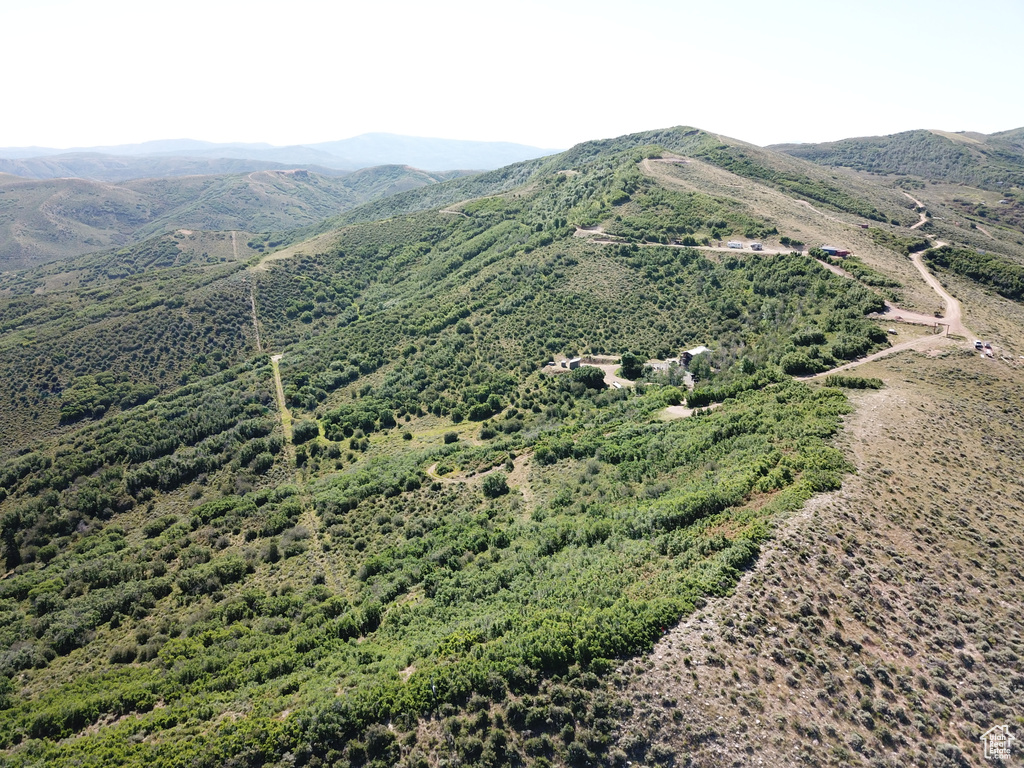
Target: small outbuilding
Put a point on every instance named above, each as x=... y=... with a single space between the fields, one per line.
x=687 y=357
x=831 y=250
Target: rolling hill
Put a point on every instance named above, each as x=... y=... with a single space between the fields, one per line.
x=966 y=158
x=41 y=221
x=325 y=497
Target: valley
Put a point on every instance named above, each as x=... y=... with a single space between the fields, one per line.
x=307 y=497
x=46 y=220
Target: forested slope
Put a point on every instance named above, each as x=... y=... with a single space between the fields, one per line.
x=972 y=159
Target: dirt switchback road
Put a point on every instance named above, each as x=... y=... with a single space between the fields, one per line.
x=921 y=213
x=953 y=316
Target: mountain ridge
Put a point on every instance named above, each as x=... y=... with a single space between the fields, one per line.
x=366 y=150
x=965 y=157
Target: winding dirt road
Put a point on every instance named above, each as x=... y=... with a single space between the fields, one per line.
x=953 y=315
x=921 y=213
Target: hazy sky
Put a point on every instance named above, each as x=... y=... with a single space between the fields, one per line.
x=549 y=74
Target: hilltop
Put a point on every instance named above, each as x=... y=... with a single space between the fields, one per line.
x=320 y=497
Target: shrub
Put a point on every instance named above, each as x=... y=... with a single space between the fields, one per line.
x=852 y=382
x=262 y=463
x=154 y=528
x=305 y=430
x=6 y=692
x=123 y=654
x=672 y=395
x=589 y=376
x=632 y=366
x=495 y=485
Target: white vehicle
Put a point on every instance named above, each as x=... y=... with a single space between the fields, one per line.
x=756 y=247
x=977 y=344
x=734 y=244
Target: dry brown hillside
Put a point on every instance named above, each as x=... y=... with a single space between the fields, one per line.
x=883 y=625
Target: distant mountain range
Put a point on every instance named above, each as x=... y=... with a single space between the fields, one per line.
x=183 y=157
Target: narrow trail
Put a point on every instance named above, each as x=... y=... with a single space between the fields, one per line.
x=256 y=320
x=920 y=343
x=309 y=519
x=822 y=213
x=234 y=243
x=836 y=270
x=432 y=474
x=672 y=412
x=518 y=478
x=282 y=408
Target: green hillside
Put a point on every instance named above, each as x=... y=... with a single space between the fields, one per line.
x=972 y=159
x=800 y=179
